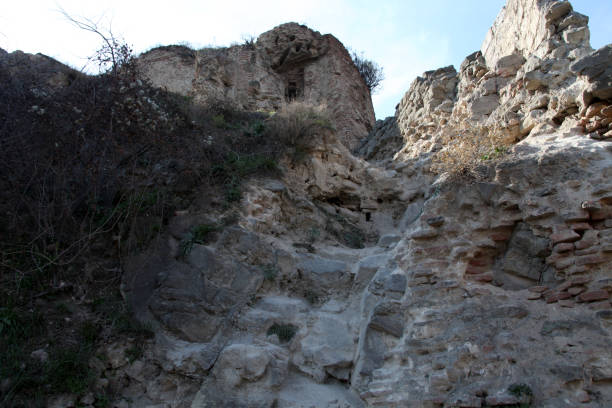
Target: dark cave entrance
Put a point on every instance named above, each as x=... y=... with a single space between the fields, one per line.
x=294 y=84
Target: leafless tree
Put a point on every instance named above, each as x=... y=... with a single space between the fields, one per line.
x=370 y=71
x=114 y=54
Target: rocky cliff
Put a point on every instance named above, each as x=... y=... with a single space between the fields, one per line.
x=289 y=62
x=382 y=278
x=393 y=286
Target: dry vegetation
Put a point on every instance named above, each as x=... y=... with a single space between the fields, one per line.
x=370 y=71
x=466 y=147
x=296 y=124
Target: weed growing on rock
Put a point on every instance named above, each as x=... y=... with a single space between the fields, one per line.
x=519 y=390
x=462 y=151
x=269 y=271
x=496 y=153
x=200 y=234
x=523 y=392
x=284 y=332
x=296 y=125
x=249 y=41
x=311 y=296
x=135 y=352
x=89 y=332
x=345 y=231
x=313 y=235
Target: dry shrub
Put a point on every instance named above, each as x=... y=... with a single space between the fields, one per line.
x=69 y=160
x=370 y=71
x=108 y=159
x=296 y=126
x=465 y=147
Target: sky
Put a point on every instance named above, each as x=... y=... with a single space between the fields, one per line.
x=405 y=37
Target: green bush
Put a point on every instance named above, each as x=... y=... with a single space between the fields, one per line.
x=68 y=370
x=523 y=392
x=284 y=332
x=269 y=271
x=236 y=167
x=199 y=234
x=219 y=121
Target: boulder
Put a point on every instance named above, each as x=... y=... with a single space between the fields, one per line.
x=327 y=347
x=597 y=69
x=324 y=273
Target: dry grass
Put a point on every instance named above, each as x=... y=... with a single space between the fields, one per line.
x=465 y=147
x=296 y=126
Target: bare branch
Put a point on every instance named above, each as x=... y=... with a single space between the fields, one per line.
x=370 y=71
x=113 y=52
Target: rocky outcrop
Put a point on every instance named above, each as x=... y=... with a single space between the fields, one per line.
x=383 y=141
x=50 y=74
x=290 y=62
x=535 y=73
x=597 y=69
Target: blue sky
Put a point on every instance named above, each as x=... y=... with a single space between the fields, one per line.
x=405 y=37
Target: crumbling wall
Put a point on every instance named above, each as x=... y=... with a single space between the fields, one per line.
x=288 y=63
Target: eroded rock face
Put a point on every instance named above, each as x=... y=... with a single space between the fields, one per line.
x=350 y=283
x=289 y=62
x=384 y=140
x=502 y=275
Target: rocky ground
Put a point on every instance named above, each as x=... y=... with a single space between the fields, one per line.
x=494 y=292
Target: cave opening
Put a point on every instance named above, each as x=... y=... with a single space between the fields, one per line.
x=294 y=84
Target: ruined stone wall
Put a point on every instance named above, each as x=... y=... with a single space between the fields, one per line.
x=289 y=63
x=534 y=27
x=503 y=282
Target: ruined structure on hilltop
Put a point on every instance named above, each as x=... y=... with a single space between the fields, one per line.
x=288 y=63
